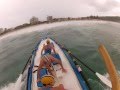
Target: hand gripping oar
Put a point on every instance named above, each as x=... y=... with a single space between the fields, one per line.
x=101 y=77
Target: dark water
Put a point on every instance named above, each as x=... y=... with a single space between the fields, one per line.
x=81 y=38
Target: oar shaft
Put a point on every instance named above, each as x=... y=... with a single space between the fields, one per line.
x=26 y=64
x=110 y=68
x=79 y=60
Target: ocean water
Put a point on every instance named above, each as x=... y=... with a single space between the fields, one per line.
x=81 y=37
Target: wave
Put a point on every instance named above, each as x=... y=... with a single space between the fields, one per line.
x=18 y=85
x=48 y=26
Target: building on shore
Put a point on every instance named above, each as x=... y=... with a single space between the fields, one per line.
x=49 y=18
x=1 y=30
x=34 y=20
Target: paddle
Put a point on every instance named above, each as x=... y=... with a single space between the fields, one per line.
x=110 y=67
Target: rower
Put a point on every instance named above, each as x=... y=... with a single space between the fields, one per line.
x=48 y=48
x=44 y=66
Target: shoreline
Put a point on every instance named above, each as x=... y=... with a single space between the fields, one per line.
x=35 y=25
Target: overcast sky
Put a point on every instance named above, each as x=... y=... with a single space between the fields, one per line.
x=16 y=12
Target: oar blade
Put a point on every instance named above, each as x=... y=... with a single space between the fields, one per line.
x=104 y=80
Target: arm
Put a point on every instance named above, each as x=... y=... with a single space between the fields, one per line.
x=42 y=49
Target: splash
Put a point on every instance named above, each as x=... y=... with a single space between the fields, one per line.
x=107 y=76
x=98 y=84
x=14 y=86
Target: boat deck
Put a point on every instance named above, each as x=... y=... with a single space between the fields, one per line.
x=68 y=80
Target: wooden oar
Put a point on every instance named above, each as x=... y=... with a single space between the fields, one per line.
x=110 y=68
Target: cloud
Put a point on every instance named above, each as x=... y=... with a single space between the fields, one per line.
x=15 y=12
x=103 y=5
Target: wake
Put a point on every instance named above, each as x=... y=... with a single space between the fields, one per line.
x=18 y=85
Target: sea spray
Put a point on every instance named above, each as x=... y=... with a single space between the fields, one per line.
x=107 y=76
x=99 y=85
x=14 y=86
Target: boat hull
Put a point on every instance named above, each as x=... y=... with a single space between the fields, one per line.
x=71 y=80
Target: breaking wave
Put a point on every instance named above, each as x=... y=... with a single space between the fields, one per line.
x=17 y=85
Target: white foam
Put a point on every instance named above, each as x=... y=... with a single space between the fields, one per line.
x=14 y=86
x=107 y=76
x=32 y=29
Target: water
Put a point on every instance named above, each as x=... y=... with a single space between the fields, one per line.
x=16 y=86
x=81 y=37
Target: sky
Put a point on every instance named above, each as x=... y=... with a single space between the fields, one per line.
x=16 y=12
